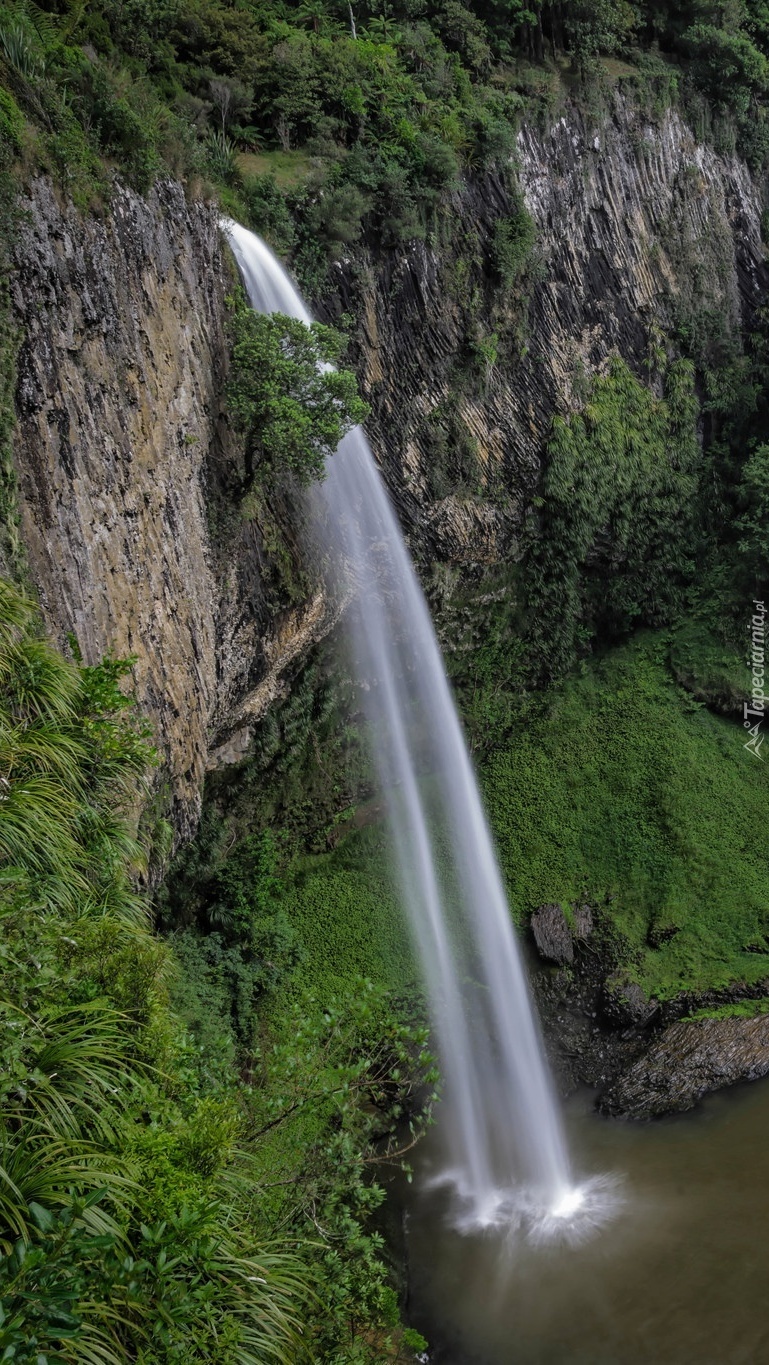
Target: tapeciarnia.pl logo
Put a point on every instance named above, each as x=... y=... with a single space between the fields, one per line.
x=753 y=711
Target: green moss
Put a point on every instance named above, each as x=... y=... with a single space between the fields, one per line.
x=742 y=1009
x=12 y=121
x=627 y=790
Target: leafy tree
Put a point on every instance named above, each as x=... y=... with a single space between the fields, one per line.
x=344 y=1099
x=593 y=27
x=240 y=947
x=291 y=405
x=728 y=67
x=268 y=212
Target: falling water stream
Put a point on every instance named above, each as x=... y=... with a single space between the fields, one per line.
x=505 y=1153
x=679 y=1279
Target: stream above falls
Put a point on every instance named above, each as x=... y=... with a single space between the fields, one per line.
x=678 y=1276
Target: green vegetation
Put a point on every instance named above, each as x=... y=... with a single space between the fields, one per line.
x=306 y=771
x=291 y=407
x=742 y=1009
x=258 y=914
x=709 y=669
x=323 y=122
x=628 y=794
x=348 y=912
x=618 y=520
x=617 y=788
x=170 y=1192
x=513 y=240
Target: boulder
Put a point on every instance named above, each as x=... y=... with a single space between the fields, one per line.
x=583 y=921
x=552 y=935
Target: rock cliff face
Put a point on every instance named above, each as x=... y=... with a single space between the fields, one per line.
x=638 y=228
x=122 y=451
x=120 y=448
x=687 y=1061
x=128 y=474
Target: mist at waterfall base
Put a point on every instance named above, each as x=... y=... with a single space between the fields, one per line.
x=505 y=1159
x=679 y=1279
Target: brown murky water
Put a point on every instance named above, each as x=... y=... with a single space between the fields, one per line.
x=680 y=1276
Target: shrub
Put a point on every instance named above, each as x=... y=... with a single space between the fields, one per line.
x=94 y=1133
x=513 y=239
x=727 y=67
x=615 y=543
x=292 y=408
x=268 y=212
x=11 y=120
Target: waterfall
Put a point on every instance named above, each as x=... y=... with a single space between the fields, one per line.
x=506 y=1147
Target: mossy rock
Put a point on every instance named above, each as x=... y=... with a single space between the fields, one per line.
x=625 y=1004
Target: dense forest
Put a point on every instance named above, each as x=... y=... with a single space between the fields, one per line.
x=318 y=122
x=200 y=1102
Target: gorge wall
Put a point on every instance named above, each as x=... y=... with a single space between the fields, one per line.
x=122 y=450
x=122 y=445
x=639 y=229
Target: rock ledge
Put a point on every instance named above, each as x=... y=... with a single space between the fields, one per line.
x=689 y=1059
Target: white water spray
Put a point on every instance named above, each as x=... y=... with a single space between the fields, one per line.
x=503 y=1127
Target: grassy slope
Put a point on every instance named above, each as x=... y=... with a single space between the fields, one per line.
x=631 y=789
x=626 y=788
x=346 y=912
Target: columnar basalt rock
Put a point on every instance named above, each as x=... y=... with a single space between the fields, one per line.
x=685 y=1062
x=119 y=444
x=638 y=229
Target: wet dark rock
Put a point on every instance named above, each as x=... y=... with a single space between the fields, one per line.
x=583 y=1047
x=642 y=1056
x=583 y=921
x=692 y=1002
x=552 y=935
x=625 y=1004
x=687 y=1061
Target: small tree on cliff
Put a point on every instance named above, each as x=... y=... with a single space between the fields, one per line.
x=291 y=405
